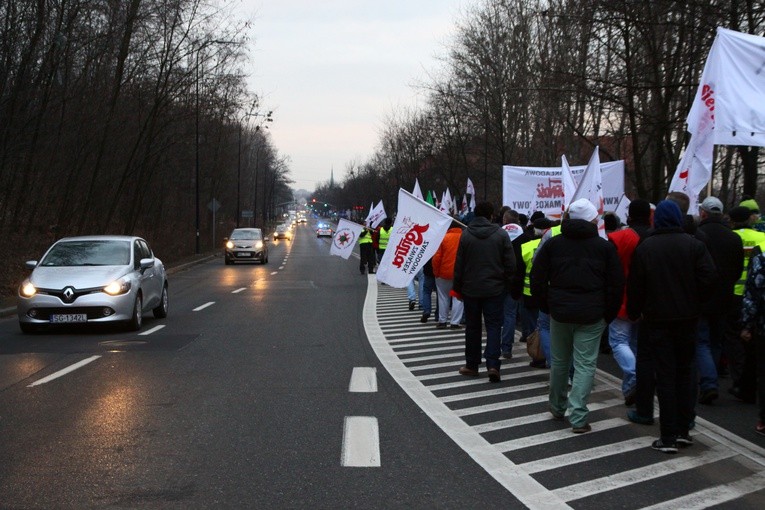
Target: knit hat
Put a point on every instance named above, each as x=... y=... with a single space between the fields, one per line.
x=640 y=210
x=542 y=223
x=712 y=204
x=536 y=215
x=667 y=214
x=751 y=205
x=582 y=209
x=740 y=214
x=611 y=221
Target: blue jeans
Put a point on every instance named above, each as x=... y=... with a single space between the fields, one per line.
x=427 y=285
x=528 y=320
x=508 y=325
x=622 y=336
x=490 y=310
x=543 y=323
x=411 y=290
x=710 y=332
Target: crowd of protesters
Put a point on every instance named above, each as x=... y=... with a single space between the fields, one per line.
x=679 y=300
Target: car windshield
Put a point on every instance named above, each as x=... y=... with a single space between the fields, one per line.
x=246 y=235
x=281 y=228
x=88 y=253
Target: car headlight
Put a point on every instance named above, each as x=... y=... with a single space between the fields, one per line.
x=117 y=287
x=27 y=290
x=230 y=245
x=258 y=245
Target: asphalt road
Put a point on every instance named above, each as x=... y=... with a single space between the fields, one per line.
x=241 y=398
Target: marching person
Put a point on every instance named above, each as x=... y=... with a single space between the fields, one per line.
x=443 y=269
x=578 y=279
x=669 y=273
x=753 y=319
x=367 y=257
x=483 y=272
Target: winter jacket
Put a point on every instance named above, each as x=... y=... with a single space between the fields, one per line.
x=443 y=260
x=669 y=274
x=727 y=251
x=485 y=260
x=753 y=307
x=577 y=276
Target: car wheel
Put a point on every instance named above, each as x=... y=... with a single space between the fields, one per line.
x=136 y=321
x=28 y=328
x=160 y=312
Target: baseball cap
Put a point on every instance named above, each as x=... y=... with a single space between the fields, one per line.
x=751 y=205
x=712 y=204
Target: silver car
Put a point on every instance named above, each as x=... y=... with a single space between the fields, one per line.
x=93 y=279
x=246 y=244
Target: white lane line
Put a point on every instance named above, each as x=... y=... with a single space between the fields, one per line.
x=281 y=267
x=716 y=495
x=202 y=307
x=493 y=393
x=595 y=453
x=512 y=477
x=274 y=272
x=454 y=365
x=557 y=435
x=497 y=406
x=639 y=475
x=237 y=291
x=464 y=382
x=64 y=371
x=152 y=330
x=431 y=342
x=433 y=349
x=363 y=380
x=361 y=442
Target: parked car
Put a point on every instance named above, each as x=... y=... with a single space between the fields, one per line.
x=246 y=245
x=323 y=230
x=283 y=232
x=93 y=279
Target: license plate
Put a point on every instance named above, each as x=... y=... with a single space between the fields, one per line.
x=68 y=317
x=244 y=254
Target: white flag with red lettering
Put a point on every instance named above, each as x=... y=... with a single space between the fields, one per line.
x=345 y=238
x=415 y=236
x=377 y=215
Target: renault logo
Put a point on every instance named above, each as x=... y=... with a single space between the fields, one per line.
x=68 y=294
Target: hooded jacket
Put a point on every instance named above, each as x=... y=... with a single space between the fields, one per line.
x=577 y=276
x=445 y=256
x=485 y=260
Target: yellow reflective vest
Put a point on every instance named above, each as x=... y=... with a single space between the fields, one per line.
x=527 y=252
x=754 y=243
x=384 y=236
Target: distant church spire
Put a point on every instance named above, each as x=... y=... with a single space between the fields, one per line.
x=332 y=177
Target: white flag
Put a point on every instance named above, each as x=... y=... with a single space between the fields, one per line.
x=569 y=183
x=472 y=202
x=417 y=191
x=623 y=209
x=415 y=237
x=371 y=208
x=470 y=187
x=377 y=215
x=464 y=207
x=446 y=202
x=591 y=187
x=345 y=238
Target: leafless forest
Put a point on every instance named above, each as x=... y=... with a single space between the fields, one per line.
x=111 y=109
x=524 y=81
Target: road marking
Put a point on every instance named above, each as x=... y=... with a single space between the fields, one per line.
x=586 y=455
x=274 y=272
x=64 y=371
x=557 y=435
x=209 y=303
x=237 y=291
x=716 y=495
x=281 y=267
x=361 y=442
x=152 y=330
x=363 y=380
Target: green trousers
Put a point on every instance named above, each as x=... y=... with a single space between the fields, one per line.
x=580 y=342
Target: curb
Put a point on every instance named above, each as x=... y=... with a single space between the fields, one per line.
x=11 y=310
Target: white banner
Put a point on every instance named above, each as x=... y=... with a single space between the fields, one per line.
x=345 y=238
x=732 y=89
x=377 y=215
x=528 y=189
x=416 y=235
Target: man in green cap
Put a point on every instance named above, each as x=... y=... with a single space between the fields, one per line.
x=756 y=221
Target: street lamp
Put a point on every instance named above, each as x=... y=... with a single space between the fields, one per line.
x=196 y=132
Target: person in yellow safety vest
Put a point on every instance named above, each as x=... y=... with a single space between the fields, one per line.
x=387 y=226
x=741 y=354
x=550 y=230
x=530 y=310
x=367 y=258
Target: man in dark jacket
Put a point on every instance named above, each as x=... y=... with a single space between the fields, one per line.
x=578 y=279
x=727 y=251
x=483 y=271
x=511 y=224
x=669 y=274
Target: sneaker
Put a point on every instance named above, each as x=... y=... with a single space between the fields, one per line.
x=684 y=441
x=411 y=305
x=664 y=447
x=507 y=355
x=556 y=416
x=581 y=429
x=441 y=325
x=634 y=417
x=424 y=318
x=760 y=428
x=455 y=326
x=493 y=375
x=471 y=372
x=708 y=396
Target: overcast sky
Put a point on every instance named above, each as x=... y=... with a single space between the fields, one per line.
x=332 y=70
